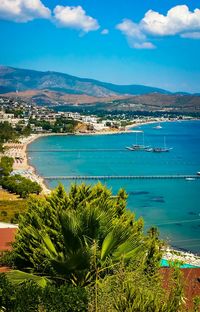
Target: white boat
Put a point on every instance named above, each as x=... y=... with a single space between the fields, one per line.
x=162 y=149
x=158 y=126
x=198 y=173
x=190 y=179
x=138 y=147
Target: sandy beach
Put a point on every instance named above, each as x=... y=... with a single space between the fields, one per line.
x=18 y=151
x=181 y=256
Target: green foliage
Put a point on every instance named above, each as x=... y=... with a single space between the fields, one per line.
x=74 y=235
x=30 y=297
x=10 y=210
x=60 y=125
x=22 y=298
x=10 y=134
x=17 y=277
x=65 y=299
x=196 y=301
x=20 y=185
x=7 y=132
x=95 y=254
x=129 y=290
x=23 y=130
x=6 y=165
x=1 y=148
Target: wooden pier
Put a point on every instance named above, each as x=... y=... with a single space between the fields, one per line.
x=121 y=177
x=79 y=150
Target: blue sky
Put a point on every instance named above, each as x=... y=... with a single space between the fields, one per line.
x=149 y=42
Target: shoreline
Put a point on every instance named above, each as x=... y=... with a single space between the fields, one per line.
x=21 y=162
x=187 y=257
x=20 y=153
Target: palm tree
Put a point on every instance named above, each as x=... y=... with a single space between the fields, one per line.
x=92 y=245
x=78 y=234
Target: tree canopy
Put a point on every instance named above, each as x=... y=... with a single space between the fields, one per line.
x=70 y=233
x=20 y=185
x=6 y=165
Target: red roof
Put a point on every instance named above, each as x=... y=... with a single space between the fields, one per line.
x=7 y=236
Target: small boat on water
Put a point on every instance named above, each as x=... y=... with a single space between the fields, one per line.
x=190 y=179
x=137 y=147
x=158 y=126
x=198 y=173
x=149 y=149
x=162 y=149
x=129 y=148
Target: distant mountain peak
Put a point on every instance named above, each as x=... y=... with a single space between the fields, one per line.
x=26 y=79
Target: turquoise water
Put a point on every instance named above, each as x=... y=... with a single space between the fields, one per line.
x=165 y=263
x=172 y=205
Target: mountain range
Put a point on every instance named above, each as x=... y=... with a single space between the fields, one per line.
x=12 y=79
x=53 y=88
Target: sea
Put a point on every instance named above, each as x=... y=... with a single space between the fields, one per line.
x=173 y=205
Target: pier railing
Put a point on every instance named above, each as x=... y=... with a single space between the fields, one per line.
x=120 y=177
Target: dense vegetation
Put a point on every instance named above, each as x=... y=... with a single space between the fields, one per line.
x=61 y=125
x=86 y=252
x=6 y=165
x=8 y=133
x=16 y=184
x=20 y=185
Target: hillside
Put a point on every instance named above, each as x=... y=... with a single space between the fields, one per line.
x=12 y=79
x=54 y=89
x=147 y=103
x=55 y=98
x=158 y=102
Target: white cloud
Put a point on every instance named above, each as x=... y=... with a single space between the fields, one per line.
x=74 y=17
x=21 y=11
x=179 y=20
x=136 y=37
x=131 y=29
x=105 y=32
x=144 y=45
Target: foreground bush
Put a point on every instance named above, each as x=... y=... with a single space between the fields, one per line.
x=93 y=254
x=123 y=291
x=73 y=235
x=29 y=297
